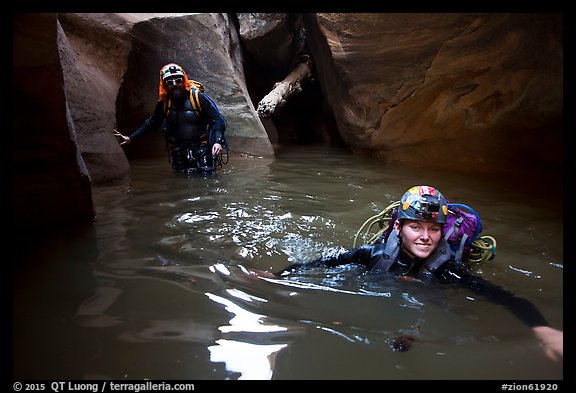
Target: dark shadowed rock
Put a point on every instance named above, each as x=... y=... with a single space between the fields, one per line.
x=51 y=185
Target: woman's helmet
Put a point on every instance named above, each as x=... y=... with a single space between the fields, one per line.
x=171 y=70
x=423 y=203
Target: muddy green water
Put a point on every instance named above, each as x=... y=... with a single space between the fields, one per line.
x=158 y=289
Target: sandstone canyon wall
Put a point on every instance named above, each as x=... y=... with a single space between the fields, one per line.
x=478 y=93
x=469 y=92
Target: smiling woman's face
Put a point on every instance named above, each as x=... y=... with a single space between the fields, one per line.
x=419 y=238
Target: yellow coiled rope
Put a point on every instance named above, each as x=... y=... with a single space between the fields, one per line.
x=383 y=219
x=481 y=250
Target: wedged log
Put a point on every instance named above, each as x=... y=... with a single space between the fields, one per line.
x=282 y=91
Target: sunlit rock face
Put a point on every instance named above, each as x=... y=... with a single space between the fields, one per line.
x=92 y=70
x=125 y=67
x=454 y=91
x=208 y=48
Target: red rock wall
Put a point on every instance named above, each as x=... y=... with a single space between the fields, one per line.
x=472 y=92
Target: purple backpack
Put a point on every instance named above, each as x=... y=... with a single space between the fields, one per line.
x=462 y=227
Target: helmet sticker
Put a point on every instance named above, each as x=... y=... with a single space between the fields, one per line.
x=427 y=190
x=423 y=203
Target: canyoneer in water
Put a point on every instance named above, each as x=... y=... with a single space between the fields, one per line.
x=194 y=126
x=415 y=250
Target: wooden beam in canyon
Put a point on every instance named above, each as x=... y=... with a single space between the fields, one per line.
x=283 y=90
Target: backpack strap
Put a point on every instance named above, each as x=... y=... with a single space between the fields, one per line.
x=441 y=255
x=460 y=250
x=454 y=228
x=388 y=252
x=195 y=101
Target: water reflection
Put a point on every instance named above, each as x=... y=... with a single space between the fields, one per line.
x=250 y=360
x=254 y=362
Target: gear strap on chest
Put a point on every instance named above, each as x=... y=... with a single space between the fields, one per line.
x=194 y=101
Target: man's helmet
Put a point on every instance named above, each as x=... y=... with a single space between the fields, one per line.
x=423 y=203
x=171 y=70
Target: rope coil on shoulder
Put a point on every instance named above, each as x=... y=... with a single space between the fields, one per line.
x=382 y=219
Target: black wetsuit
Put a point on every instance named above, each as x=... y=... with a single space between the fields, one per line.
x=187 y=133
x=449 y=272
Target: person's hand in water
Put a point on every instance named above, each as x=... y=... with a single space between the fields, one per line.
x=552 y=340
x=216 y=149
